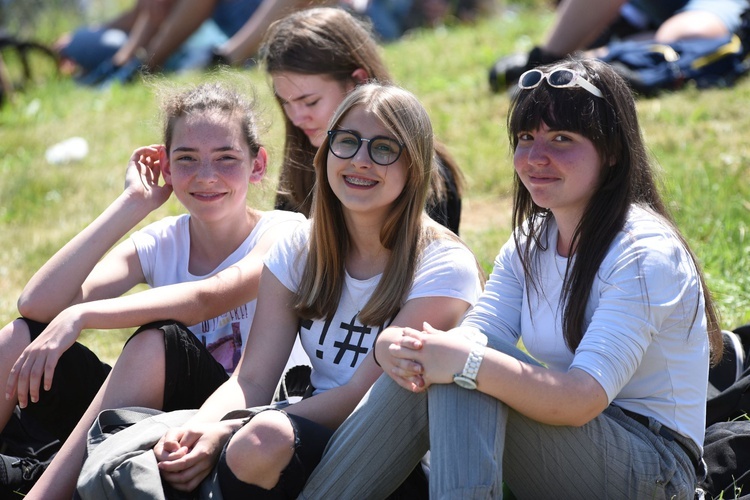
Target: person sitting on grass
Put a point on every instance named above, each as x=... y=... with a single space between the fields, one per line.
x=314 y=58
x=600 y=286
x=589 y=25
x=369 y=264
x=210 y=157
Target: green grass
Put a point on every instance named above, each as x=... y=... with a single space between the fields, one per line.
x=698 y=138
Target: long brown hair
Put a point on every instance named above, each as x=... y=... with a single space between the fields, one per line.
x=611 y=124
x=406 y=230
x=326 y=41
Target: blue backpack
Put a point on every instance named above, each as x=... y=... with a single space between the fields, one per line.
x=652 y=67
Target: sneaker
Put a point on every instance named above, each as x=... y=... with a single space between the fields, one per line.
x=20 y=474
x=218 y=60
x=506 y=70
x=98 y=74
x=127 y=73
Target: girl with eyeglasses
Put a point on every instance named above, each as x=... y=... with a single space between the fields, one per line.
x=314 y=57
x=618 y=324
x=369 y=265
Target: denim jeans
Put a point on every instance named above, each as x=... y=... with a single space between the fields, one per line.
x=476 y=442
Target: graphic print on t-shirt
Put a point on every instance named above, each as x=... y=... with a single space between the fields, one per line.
x=362 y=343
x=222 y=336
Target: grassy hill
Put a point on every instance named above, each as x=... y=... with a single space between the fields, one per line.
x=699 y=138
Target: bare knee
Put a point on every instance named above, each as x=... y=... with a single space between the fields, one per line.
x=15 y=333
x=261 y=450
x=147 y=343
x=691 y=24
x=138 y=376
x=14 y=338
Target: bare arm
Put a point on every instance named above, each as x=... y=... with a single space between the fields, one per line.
x=578 y=23
x=269 y=344
x=246 y=42
x=72 y=274
x=187 y=454
x=189 y=303
x=191 y=451
x=333 y=406
x=556 y=398
x=184 y=18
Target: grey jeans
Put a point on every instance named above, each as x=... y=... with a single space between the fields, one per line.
x=476 y=442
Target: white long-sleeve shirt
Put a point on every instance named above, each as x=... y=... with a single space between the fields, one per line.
x=645 y=336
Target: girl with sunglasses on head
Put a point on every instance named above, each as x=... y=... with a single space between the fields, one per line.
x=203 y=268
x=369 y=265
x=314 y=57
x=600 y=286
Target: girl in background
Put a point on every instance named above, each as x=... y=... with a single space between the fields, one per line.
x=314 y=58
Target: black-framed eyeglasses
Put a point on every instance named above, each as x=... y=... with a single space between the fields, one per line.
x=383 y=150
x=560 y=78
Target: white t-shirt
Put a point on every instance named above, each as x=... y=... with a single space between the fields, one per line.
x=645 y=336
x=164 y=249
x=337 y=347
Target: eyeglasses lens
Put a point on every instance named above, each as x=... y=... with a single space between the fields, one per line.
x=344 y=144
x=382 y=150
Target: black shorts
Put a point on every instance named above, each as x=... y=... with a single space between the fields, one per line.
x=192 y=374
x=78 y=376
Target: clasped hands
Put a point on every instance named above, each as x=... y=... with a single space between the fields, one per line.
x=186 y=455
x=418 y=359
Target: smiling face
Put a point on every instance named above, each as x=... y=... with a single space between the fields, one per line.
x=210 y=166
x=560 y=169
x=358 y=182
x=309 y=101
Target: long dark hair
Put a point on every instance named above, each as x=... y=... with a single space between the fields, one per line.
x=611 y=124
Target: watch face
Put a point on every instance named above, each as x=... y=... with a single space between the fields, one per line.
x=465 y=382
x=476 y=337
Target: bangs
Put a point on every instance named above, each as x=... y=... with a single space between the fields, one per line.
x=574 y=110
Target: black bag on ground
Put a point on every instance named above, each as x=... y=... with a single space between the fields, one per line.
x=726 y=448
x=730 y=401
x=726 y=451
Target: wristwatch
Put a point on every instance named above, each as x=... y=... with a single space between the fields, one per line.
x=468 y=377
x=474 y=335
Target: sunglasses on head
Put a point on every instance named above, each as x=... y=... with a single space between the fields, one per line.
x=559 y=78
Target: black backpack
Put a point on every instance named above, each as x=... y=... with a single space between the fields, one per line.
x=726 y=448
